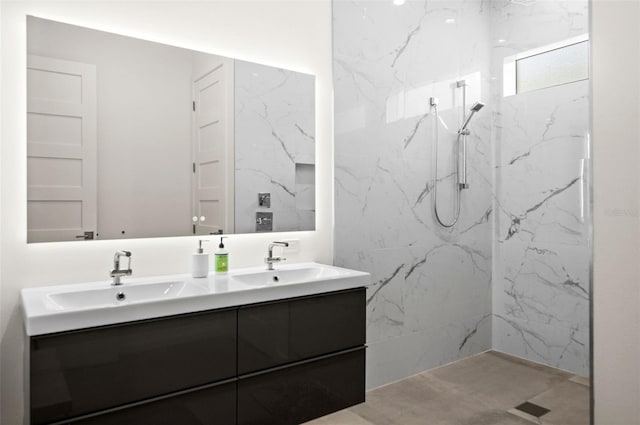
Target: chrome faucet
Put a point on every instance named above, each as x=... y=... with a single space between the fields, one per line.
x=117 y=273
x=271 y=259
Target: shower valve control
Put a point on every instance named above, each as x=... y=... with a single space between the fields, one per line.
x=264 y=199
x=264 y=221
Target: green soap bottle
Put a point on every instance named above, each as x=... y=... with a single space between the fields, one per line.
x=221 y=258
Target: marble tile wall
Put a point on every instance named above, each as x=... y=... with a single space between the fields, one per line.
x=542 y=254
x=512 y=274
x=430 y=302
x=274 y=136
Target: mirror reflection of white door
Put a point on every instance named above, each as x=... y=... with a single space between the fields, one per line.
x=61 y=150
x=213 y=153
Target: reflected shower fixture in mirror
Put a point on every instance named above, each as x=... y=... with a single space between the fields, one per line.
x=461 y=157
x=136 y=139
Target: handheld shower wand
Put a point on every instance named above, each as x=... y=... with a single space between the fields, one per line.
x=475 y=108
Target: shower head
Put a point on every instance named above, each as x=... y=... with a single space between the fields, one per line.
x=475 y=108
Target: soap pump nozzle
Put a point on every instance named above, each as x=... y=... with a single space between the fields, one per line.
x=200 y=249
x=222 y=242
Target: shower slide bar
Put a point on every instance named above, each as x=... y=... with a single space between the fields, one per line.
x=461 y=160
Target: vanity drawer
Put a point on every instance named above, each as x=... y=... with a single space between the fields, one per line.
x=80 y=372
x=209 y=406
x=276 y=333
x=296 y=394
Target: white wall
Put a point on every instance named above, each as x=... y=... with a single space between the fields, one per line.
x=294 y=35
x=616 y=275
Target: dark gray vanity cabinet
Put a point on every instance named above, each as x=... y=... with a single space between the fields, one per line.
x=302 y=358
x=85 y=371
x=212 y=405
x=281 y=332
x=299 y=393
x=281 y=362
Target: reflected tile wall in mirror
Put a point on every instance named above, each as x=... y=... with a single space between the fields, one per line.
x=277 y=116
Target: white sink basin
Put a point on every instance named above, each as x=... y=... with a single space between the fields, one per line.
x=287 y=276
x=118 y=295
x=61 y=308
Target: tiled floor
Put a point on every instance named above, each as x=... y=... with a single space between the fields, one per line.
x=480 y=390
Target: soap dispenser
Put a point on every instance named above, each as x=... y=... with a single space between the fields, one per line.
x=221 y=258
x=200 y=262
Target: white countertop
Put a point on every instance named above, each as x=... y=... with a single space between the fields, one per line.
x=43 y=315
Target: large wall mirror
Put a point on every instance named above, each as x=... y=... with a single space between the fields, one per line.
x=128 y=138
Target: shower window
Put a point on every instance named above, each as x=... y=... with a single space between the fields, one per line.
x=549 y=66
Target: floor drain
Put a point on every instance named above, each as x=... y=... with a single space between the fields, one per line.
x=533 y=409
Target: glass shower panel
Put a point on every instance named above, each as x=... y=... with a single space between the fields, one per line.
x=541 y=286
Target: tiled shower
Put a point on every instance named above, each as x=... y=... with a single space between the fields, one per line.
x=513 y=273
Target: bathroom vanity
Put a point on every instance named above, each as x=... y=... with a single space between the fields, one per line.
x=245 y=353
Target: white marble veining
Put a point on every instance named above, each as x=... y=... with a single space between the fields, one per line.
x=274 y=131
x=513 y=273
x=430 y=301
